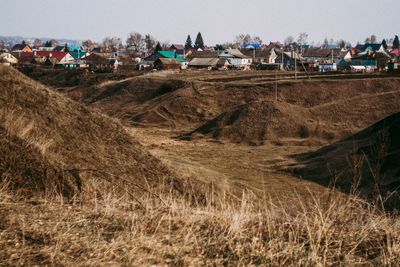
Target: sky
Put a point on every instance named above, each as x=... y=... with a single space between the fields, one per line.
x=218 y=21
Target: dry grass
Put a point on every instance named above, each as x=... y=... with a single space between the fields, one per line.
x=324 y=230
x=140 y=228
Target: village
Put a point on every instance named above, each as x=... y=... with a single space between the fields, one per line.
x=144 y=54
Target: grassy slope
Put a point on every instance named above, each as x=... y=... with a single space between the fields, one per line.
x=76 y=138
x=373 y=153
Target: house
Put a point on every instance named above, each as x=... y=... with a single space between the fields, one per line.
x=288 y=60
x=98 y=63
x=360 y=63
x=374 y=48
x=322 y=55
x=178 y=48
x=75 y=48
x=149 y=61
x=382 y=59
x=164 y=54
x=209 y=63
x=395 y=53
x=25 y=58
x=61 y=48
x=201 y=54
x=327 y=67
x=261 y=56
x=167 y=64
x=8 y=59
x=53 y=57
x=78 y=54
x=21 y=48
x=236 y=58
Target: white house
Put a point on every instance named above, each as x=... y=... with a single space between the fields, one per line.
x=8 y=59
x=236 y=58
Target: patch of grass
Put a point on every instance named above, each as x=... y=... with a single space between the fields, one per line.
x=317 y=230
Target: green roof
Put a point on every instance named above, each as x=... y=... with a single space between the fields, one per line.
x=171 y=54
x=75 y=48
x=77 y=55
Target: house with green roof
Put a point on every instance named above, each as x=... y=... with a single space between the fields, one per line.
x=78 y=54
x=164 y=54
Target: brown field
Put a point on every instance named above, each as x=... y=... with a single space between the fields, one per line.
x=199 y=169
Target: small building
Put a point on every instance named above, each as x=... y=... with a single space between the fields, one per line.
x=191 y=54
x=209 y=63
x=288 y=60
x=98 y=63
x=360 y=63
x=167 y=64
x=78 y=54
x=8 y=59
x=24 y=48
x=236 y=59
x=261 y=56
x=327 y=67
x=54 y=57
x=373 y=48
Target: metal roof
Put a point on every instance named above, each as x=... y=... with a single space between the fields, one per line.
x=171 y=54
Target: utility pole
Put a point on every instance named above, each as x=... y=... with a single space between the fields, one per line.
x=295 y=63
x=276 y=84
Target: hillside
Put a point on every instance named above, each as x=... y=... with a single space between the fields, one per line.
x=256 y=122
x=73 y=137
x=330 y=109
x=371 y=156
x=26 y=171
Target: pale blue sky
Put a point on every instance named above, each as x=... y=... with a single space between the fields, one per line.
x=218 y=20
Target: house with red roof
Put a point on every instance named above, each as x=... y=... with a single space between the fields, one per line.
x=54 y=57
x=395 y=52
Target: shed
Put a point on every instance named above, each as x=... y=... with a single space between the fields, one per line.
x=167 y=64
x=208 y=63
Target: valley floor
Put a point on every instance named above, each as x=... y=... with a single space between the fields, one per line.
x=232 y=167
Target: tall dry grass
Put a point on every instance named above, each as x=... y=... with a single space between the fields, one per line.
x=327 y=229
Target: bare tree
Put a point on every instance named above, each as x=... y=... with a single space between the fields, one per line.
x=87 y=44
x=135 y=42
x=37 y=42
x=289 y=40
x=373 y=39
x=53 y=42
x=303 y=37
x=111 y=44
x=257 y=40
x=165 y=45
x=243 y=39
